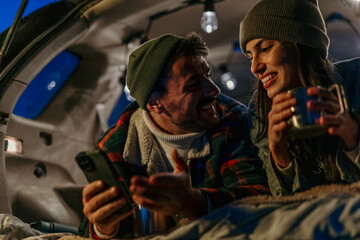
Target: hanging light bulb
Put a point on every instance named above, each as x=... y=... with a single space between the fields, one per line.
x=227 y=79
x=209 y=22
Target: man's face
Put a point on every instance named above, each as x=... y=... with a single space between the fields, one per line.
x=275 y=64
x=189 y=104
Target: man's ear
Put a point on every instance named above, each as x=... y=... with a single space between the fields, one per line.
x=153 y=103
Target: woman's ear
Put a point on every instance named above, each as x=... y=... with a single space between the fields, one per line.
x=153 y=103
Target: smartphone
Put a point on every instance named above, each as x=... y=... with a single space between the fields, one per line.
x=97 y=166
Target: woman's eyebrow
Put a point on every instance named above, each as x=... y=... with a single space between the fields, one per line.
x=257 y=45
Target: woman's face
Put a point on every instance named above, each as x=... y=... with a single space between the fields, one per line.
x=275 y=64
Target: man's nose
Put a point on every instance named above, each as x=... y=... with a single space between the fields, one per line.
x=210 y=88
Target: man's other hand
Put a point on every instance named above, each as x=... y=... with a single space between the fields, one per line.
x=169 y=193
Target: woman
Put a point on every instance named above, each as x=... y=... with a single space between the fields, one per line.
x=287 y=44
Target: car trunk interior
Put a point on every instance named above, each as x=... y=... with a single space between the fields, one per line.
x=43 y=181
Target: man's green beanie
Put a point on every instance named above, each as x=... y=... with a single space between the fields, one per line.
x=298 y=21
x=146 y=64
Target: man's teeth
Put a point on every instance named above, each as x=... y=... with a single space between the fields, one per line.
x=206 y=106
x=267 y=78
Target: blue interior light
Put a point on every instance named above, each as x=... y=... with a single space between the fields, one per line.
x=236 y=46
x=45 y=85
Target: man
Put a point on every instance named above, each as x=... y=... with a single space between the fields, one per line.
x=193 y=142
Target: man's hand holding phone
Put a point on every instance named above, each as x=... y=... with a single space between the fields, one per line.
x=101 y=205
x=106 y=198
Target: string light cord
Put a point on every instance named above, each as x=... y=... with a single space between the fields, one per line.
x=158 y=15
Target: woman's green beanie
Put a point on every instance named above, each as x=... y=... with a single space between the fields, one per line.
x=146 y=64
x=298 y=21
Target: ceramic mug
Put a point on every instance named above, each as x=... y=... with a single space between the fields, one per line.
x=303 y=122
